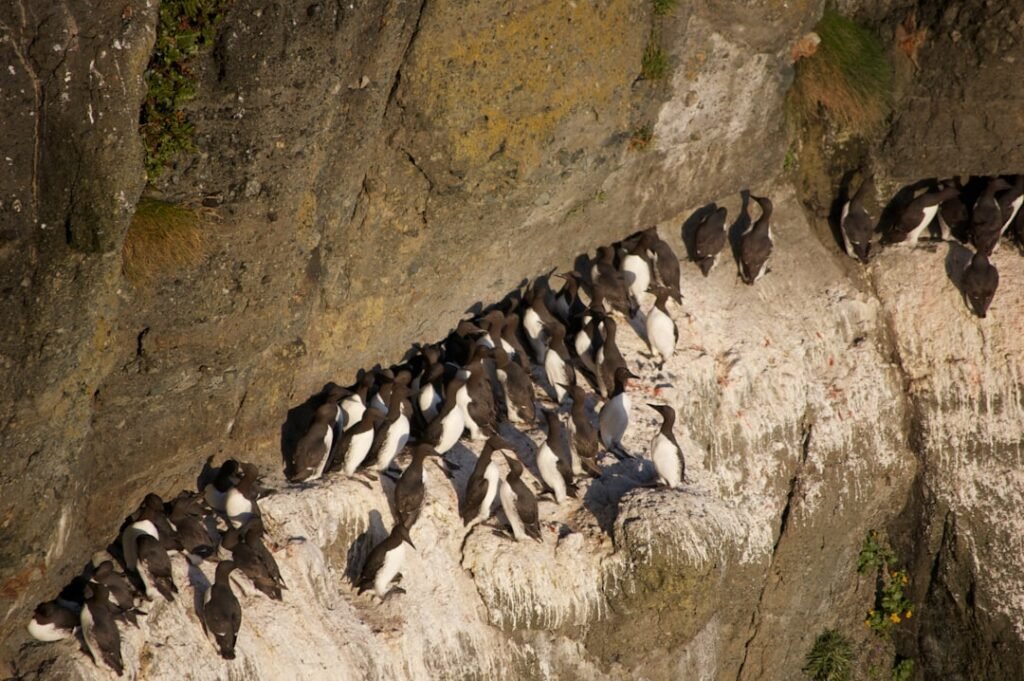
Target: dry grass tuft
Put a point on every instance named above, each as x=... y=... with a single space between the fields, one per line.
x=848 y=77
x=163 y=238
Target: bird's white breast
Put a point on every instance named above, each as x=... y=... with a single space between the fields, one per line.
x=614 y=420
x=328 y=441
x=46 y=632
x=547 y=462
x=130 y=538
x=354 y=408
x=929 y=213
x=665 y=456
x=87 y=634
x=398 y=435
x=238 y=508
x=661 y=332
x=637 y=274
x=393 y=561
x=451 y=430
x=508 y=504
x=554 y=368
x=358 y=448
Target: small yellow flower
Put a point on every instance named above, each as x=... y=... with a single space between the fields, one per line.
x=909 y=614
x=895 y=617
x=905 y=578
x=867 y=623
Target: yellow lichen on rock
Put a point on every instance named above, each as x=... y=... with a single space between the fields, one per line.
x=503 y=82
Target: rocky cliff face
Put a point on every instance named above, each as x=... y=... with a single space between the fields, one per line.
x=490 y=144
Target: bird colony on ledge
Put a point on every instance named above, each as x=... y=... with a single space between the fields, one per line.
x=538 y=346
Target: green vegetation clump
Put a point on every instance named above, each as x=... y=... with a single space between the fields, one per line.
x=903 y=670
x=665 y=6
x=163 y=237
x=654 y=65
x=830 y=657
x=789 y=163
x=891 y=603
x=848 y=77
x=185 y=28
x=641 y=138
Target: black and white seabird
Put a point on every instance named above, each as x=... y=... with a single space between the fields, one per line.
x=666 y=262
x=614 y=417
x=258 y=565
x=492 y=323
x=609 y=284
x=381 y=397
x=666 y=453
x=119 y=589
x=154 y=568
x=756 y=244
x=557 y=368
x=410 y=490
x=710 y=238
x=662 y=334
x=636 y=267
x=980 y=281
x=446 y=429
x=587 y=343
x=355 y=443
x=222 y=614
x=188 y=515
x=354 y=404
x=393 y=433
x=517 y=386
x=479 y=412
x=130 y=541
x=609 y=358
x=582 y=435
x=987 y=218
x=252 y=535
x=953 y=217
x=99 y=631
x=554 y=461
x=568 y=305
x=215 y=492
x=314 y=449
x=240 y=501
x=51 y=621
x=510 y=336
x=458 y=346
x=536 y=323
x=482 y=487
x=855 y=223
x=153 y=511
x=430 y=396
x=918 y=214
x=385 y=562
x=519 y=503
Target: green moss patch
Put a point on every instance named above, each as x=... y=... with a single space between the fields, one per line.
x=185 y=28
